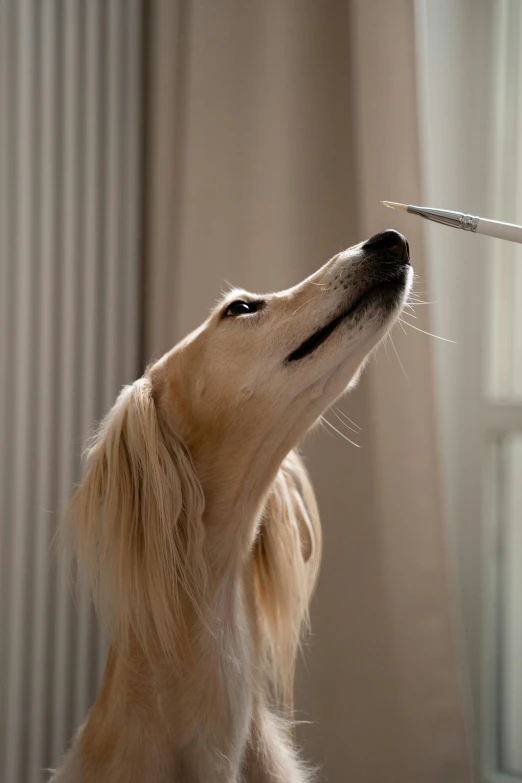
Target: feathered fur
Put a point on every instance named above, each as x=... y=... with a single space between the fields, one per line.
x=136 y=525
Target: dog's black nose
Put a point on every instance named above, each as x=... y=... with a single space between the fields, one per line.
x=391 y=241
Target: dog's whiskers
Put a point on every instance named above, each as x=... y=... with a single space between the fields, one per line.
x=343 y=422
x=323 y=418
x=343 y=414
x=437 y=336
x=399 y=359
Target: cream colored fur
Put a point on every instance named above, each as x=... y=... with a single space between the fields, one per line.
x=197 y=531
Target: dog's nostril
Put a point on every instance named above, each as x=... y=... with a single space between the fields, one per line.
x=385 y=239
x=391 y=241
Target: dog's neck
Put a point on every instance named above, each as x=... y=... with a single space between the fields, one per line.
x=234 y=502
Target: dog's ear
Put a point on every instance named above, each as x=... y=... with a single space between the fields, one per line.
x=135 y=525
x=287 y=555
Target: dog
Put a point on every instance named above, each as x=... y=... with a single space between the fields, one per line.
x=197 y=528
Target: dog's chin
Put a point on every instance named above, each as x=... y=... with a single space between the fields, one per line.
x=385 y=300
x=375 y=317
x=383 y=314
x=384 y=311
x=377 y=305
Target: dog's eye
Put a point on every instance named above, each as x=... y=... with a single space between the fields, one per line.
x=240 y=307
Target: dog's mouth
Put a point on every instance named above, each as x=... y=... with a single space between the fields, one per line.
x=313 y=342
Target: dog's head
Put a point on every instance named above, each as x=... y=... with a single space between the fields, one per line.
x=210 y=424
x=268 y=365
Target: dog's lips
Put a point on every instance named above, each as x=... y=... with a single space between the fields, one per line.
x=321 y=335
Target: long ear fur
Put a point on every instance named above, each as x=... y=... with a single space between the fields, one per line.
x=287 y=555
x=135 y=524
